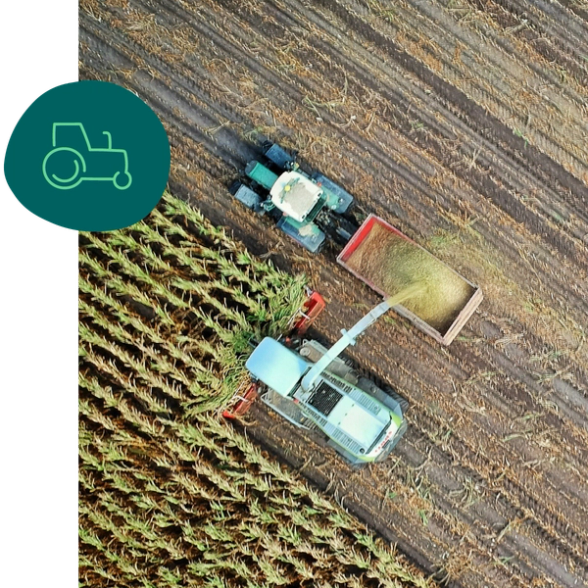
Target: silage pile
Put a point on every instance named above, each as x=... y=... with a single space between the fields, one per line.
x=411 y=276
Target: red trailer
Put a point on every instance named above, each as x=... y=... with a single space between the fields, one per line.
x=379 y=255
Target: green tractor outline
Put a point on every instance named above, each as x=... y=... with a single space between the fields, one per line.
x=79 y=162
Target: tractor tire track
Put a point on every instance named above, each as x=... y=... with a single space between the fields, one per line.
x=504 y=96
x=488 y=129
x=493 y=523
x=206 y=132
x=572 y=250
x=568 y=34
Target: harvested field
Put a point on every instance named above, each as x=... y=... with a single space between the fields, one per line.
x=463 y=124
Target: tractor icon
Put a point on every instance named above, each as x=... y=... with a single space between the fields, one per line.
x=73 y=160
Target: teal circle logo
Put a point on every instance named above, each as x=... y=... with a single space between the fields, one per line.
x=89 y=156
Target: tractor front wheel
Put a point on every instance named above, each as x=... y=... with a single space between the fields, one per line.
x=122 y=180
x=278 y=156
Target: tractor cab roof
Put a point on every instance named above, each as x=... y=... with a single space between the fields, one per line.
x=295 y=194
x=276 y=366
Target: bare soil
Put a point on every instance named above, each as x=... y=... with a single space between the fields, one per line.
x=464 y=124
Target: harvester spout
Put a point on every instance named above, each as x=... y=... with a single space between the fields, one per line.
x=347 y=339
x=417 y=287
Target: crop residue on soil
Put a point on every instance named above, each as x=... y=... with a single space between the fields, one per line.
x=394 y=264
x=431 y=115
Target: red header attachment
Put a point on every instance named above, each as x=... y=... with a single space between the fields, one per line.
x=310 y=310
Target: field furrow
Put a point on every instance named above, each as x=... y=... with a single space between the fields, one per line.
x=465 y=124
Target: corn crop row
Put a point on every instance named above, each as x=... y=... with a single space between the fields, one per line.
x=227 y=488
x=169 y=494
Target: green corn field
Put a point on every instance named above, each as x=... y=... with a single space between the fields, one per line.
x=170 y=494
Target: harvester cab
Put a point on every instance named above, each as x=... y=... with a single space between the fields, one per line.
x=299 y=202
x=313 y=388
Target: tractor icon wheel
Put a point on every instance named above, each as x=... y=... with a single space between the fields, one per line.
x=63 y=168
x=122 y=180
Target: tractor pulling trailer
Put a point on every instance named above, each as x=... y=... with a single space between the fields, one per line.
x=313 y=210
x=302 y=380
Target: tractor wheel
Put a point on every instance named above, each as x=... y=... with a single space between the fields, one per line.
x=234 y=187
x=64 y=168
x=278 y=156
x=345 y=199
x=122 y=180
x=247 y=196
